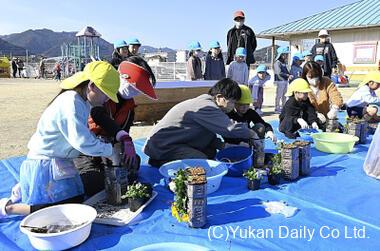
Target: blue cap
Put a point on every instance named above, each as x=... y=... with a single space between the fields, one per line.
x=214 y=44
x=298 y=56
x=319 y=58
x=119 y=44
x=133 y=41
x=261 y=68
x=307 y=53
x=241 y=52
x=195 y=45
x=282 y=50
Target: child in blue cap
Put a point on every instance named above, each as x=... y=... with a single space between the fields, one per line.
x=281 y=77
x=215 y=69
x=194 y=63
x=296 y=69
x=256 y=84
x=238 y=69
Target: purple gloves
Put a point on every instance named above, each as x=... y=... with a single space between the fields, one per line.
x=129 y=154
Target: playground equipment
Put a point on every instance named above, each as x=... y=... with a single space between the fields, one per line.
x=76 y=56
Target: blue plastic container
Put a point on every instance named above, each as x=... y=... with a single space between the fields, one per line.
x=305 y=134
x=215 y=171
x=238 y=159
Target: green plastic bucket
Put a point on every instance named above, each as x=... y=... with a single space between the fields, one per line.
x=331 y=142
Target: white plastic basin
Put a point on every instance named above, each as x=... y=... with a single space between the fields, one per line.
x=59 y=215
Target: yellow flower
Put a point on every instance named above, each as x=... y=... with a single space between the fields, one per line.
x=178 y=216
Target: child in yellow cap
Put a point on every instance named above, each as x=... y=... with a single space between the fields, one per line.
x=244 y=114
x=359 y=105
x=298 y=112
x=48 y=175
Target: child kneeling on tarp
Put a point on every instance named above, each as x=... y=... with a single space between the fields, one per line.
x=48 y=176
x=242 y=113
x=359 y=103
x=298 y=112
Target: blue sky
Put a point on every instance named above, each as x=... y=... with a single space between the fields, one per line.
x=159 y=23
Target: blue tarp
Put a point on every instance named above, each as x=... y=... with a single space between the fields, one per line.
x=338 y=205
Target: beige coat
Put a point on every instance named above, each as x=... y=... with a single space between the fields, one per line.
x=328 y=95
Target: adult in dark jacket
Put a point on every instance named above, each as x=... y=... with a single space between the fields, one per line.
x=241 y=36
x=298 y=112
x=120 y=53
x=14 y=68
x=326 y=49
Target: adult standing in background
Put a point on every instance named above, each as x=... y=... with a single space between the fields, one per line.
x=14 y=67
x=325 y=49
x=20 y=67
x=241 y=36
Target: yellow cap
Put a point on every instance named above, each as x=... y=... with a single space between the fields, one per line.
x=245 y=98
x=298 y=85
x=371 y=76
x=101 y=73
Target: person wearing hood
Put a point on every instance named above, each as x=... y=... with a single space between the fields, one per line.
x=298 y=112
x=364 y=102
x=324 y=96
x=194 y=63
x=215 y=69
x=120 y=53
x=327 y=51
x=296 y=69
x=189 y=130
x=281 y=77
x=241 y=36
x=112 y=122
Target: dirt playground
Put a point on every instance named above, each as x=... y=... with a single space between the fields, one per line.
x=23 y=100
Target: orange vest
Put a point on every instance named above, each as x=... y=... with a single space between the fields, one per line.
x=119 y=114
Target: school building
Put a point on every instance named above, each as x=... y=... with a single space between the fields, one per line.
x=354 y=31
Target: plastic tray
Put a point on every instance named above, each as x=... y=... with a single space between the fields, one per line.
x=114 y=215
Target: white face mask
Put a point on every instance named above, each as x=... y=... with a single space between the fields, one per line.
x=239 y=24
x=313 y=81
x=126 y=90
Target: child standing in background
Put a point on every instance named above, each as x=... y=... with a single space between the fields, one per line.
x=215 y=69
x=194 y=64
x=281 y=77
x=296 y=69
x=238 y=69
x=256 y=85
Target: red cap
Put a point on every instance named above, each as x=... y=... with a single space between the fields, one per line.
x=138 y=78
x=239 y=13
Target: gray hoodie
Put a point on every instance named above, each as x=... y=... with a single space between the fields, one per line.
x=194 y=123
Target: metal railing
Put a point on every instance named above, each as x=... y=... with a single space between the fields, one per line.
x=169 y=70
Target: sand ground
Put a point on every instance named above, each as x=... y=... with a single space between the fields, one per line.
x=23 y=100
